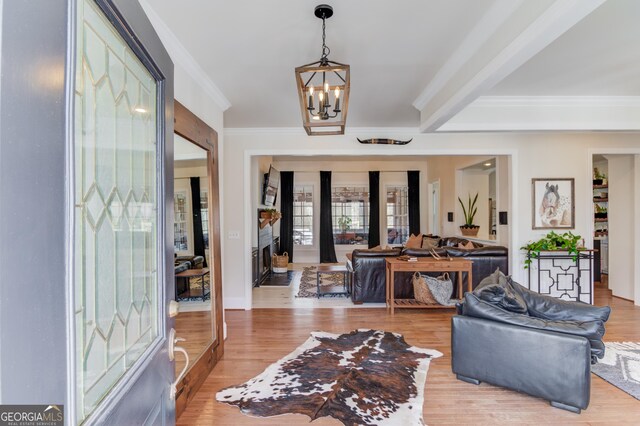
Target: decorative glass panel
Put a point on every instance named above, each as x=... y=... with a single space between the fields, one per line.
x=116 y=218
x=180 y=224
x=303 y=215
x=350 y=210
x=397 y=215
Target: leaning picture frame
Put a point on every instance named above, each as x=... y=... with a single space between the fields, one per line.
x=553 y=203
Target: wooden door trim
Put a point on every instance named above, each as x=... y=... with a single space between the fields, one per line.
x=192 y=128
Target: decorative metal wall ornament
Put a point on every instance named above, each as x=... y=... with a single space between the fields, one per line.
x=323 y=80
x=375 y=141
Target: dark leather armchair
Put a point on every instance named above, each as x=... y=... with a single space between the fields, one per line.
x=545 y=351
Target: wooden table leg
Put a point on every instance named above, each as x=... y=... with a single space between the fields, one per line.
x=460 y=295
x=386 y=286
x=391 y=289
x=469 y=282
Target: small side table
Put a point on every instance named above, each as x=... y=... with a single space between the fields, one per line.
x=424 y=264
x=333 y=269
x=193 y=273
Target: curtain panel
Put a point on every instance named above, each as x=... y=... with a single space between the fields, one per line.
x=327 y=247
x=374 y=209
x=286 y=207
x=413 y=180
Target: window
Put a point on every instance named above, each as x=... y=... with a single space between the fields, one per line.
x=397 y=214
x=180 y=224
x=350 y=210
x=204 y=213
x=303 y=215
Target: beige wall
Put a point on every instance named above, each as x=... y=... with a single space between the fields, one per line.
x=352 y=171
x=540 y=155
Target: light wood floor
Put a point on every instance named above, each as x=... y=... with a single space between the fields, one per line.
x=197 y=330
x=260 y=337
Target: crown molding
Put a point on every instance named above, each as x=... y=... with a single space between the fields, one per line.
x=299 y=131
x=548 y=113
x=181 y=55
x=556 y=101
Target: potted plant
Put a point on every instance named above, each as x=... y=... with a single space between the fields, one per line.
x=600 y=212
x=553 y=242
x=598 y=178
x=470 y=210
x=344 y=222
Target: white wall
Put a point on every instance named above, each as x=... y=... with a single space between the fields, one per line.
x=622 y=220
x=446 y=169
x=539 y=155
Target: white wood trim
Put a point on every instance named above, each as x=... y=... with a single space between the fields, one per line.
x=516 y=259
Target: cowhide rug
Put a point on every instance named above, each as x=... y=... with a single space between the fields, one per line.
x=365 y=377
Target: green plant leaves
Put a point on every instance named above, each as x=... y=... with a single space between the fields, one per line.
x=552 y=242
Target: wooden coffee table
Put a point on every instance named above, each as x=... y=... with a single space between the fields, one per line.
x=333 y=269
x=424 y=264
x=193 y=273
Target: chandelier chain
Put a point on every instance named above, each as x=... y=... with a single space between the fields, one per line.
x=325 y=48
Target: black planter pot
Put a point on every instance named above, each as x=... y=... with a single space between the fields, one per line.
x=597 y=181
x=600 y=215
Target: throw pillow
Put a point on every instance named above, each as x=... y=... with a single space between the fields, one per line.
x=430 y=241
x=469 y=245
x=414 y=241
x=490 y=279
x=503 y=295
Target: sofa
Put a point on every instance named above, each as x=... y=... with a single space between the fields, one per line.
x=509 y=336
x=368 y=267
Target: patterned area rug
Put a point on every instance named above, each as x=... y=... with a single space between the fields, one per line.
x=365 y=377
x=621 y=366
x=308 y=282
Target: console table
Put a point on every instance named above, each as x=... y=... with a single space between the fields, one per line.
x=559 y=275
x=424 y=264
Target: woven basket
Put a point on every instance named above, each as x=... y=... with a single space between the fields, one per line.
x=280 y=264
x=421 y=291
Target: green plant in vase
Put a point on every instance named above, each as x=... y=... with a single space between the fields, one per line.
x=469 y=210
x=553 y=242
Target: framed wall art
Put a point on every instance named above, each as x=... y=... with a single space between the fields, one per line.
x=553 y=203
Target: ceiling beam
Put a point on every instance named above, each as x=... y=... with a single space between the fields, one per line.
x=509 y=34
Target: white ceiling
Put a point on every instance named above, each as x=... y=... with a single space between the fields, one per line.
x=599 y=56
x=186 y=150
x=249 y=50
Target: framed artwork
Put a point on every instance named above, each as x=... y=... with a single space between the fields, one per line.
x=553 y=203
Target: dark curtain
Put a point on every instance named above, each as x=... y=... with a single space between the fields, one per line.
x=198 y=237
x=413 y=179
x=327 y=248
x=286 y=206
x=374 y=209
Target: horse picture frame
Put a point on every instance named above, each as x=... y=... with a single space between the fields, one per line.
x=553 y=203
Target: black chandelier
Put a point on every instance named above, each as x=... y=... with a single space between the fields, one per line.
x=328 y=81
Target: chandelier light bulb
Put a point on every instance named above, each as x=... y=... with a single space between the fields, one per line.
x=337 y=92
x=321 y=96
x=311 y=91
x=326 y=86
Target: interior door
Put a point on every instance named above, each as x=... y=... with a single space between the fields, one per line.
x=123 y=245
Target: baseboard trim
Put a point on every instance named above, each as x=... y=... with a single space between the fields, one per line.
x=623 y=298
